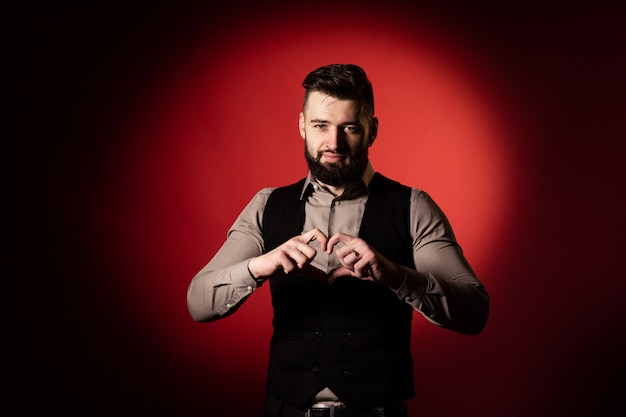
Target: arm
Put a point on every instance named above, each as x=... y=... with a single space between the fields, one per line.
x=444 y=288
x=225 y=282
x=241 y=264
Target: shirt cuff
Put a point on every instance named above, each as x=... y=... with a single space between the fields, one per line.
x=413 y=287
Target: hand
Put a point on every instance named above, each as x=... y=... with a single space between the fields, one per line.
x=361 y=261
x=294 y=254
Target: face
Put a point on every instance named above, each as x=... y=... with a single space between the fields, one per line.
x=336 y=137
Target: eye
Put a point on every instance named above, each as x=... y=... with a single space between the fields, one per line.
x=319 y=125
x=352 y=129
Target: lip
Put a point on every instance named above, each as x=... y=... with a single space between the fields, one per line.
x=333 y=157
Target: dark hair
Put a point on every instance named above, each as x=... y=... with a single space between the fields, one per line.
x=343 y=81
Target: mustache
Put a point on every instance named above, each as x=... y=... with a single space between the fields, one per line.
x=342 y=152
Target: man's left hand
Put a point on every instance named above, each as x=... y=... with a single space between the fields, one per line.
x=358 y=259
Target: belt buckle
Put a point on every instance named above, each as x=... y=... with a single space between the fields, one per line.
x=321 y=410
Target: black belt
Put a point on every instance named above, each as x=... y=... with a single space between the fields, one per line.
x=278 y=408
x=329 y=410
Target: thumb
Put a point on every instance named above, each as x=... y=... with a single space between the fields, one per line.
x=340 y=271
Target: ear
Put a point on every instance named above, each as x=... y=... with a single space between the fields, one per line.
x=301 y=125
x=373 y=130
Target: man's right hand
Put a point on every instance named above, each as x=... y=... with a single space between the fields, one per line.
x=294 y=254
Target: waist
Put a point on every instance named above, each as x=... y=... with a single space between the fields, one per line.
x=277 y=408
x=396 y=409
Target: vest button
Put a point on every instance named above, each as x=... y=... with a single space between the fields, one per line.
x=319 y=333
x=347 y=373
x=350 y=335
x=316 y=370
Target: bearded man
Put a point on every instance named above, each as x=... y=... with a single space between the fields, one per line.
x=349 y=255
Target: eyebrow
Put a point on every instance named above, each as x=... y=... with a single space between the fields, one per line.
x=326 y=121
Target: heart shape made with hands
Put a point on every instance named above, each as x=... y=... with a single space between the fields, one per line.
x=319 y=240
x=328 y=278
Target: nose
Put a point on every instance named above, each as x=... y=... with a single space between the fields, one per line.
x=336 y=138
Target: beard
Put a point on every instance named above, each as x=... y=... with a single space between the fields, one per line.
x=338 y=173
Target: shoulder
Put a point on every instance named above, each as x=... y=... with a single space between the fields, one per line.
x=265 y=192
x=262 y=195
x=260 y=199
x=425 y=213
x=421 y=201
x=294 y=189
x=380 y=184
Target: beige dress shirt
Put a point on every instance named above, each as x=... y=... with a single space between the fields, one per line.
x=443 y=287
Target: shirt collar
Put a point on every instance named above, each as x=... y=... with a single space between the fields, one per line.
x=367 y=176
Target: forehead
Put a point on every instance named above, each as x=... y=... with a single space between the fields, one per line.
x=319 y=104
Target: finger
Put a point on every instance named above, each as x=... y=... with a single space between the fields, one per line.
x=291 y=261
x=348 y=250
x=294 y=254
x=339 y=272
x=350 y=259
x=342 y=271
x=338 y=238
x=306 y=249
x=285 y=263
x=362 y=269
x=315 y=234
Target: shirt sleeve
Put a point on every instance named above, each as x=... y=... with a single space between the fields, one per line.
x=219 y=288
x=443 y=287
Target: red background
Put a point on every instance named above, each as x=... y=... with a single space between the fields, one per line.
x=142 y=131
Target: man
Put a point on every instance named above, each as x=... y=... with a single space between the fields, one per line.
x=349 y=255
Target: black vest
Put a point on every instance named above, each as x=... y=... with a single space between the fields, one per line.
x=352 y=336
